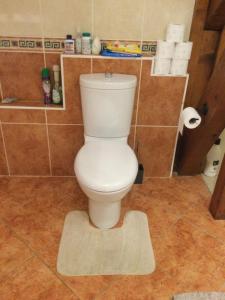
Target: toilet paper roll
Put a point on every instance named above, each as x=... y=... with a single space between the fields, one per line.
x=175 y=33
x=165 y=49
x=179 y=66
x=162 y=66
x=191 y=118
x=183 y=50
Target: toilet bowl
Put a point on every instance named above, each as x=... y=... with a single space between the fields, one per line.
x=105 y=170
x=106 y=166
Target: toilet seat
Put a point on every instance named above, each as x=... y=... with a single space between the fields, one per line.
x=106 y=166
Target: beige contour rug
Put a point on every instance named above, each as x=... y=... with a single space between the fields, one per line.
x=86 y=250
x=200 y=296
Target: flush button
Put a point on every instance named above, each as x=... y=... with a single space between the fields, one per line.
x=108 y=75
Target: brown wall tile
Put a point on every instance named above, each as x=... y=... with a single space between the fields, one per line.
x=121 y=66
x=52 y=59
x=3 y=165
x=20 y=74
x=156 y=146
x=160 y=98
x=22 y=115
x=65 y=141
x=27 y=149
x=72 y=70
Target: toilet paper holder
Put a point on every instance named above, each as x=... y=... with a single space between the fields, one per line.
x=203 y=110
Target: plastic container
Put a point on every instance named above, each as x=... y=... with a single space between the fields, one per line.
x=78 y=42
x=96 y=46
x=86 y=43
x=213 y=160
x=69 y=45
x=56 y=91
x=46 y=85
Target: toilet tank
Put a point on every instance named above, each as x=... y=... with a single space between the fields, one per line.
x=107 y=104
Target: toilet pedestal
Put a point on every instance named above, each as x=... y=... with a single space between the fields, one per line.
x=105 y=214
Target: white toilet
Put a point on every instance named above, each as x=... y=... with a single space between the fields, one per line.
x=106 y=167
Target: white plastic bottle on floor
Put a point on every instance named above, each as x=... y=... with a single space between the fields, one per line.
x=213 y=160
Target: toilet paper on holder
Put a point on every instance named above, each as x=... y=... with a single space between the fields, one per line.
x=189 y=118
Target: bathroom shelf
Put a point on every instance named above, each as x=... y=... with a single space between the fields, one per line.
x=31 y=104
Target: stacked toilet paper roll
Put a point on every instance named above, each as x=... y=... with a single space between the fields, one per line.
x=164 y=54
x=172 y=55
x=182 y=54
x=175 y=33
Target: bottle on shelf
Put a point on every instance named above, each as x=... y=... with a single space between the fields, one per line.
x=46 y=85
x=86 y=43
x=69 y=45
x=56 y=91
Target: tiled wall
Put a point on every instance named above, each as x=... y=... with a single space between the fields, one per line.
x=109 y=19
x=39 y=142
x=45 y=142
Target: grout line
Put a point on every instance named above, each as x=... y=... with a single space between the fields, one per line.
x=163 y=126
x=80 y=124
x=42 y=31
x=63 y=82
x=156 y=177
x=1 y=91
x=55 y=124
x=23 y=51
x=51 y=124
x=9 y=123
x=5 y=151
x=48 y=143
x=92 y=17
x=138 y=98
x=92 y=29
x=143 y=22
x=20 y=107
x=40 y=176
x=177 y=134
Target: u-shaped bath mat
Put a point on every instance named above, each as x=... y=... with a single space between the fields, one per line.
x=86 y=250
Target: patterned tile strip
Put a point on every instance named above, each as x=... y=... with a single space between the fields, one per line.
x=57 y=45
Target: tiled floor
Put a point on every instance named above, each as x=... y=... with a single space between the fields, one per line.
x=189 y=245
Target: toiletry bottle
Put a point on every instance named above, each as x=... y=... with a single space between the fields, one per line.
x=78 y=42
x=213 y=160
x=46 y=85
x=96 y=46
x=86 y=43
x=56 y=93
x=69 y=44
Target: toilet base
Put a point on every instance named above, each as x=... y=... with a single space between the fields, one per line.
x=104 y=215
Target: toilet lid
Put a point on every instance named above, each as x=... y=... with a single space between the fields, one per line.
x=106 y=166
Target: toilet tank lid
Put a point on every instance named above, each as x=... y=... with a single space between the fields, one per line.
x=106 y=81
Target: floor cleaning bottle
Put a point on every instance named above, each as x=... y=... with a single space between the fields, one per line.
x=213 y=159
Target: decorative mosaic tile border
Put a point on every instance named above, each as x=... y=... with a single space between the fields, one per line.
x=57 y=45
x=31 y=44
